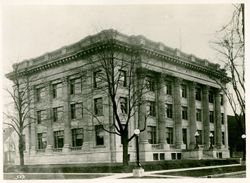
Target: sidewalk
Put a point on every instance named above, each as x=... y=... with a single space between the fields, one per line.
x=176 y=173
x=156 y=175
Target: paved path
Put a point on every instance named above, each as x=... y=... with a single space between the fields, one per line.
x=153 y=173
x=148 y=174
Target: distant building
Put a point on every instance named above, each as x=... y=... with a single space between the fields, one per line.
x=9 y=146
x=63 y=133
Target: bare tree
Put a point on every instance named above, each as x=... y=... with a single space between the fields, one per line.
x=230 y=46
x=19 y=119
x=117 y=70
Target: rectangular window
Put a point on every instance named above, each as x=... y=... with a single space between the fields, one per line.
x=169 y=88
x=221 y=99
x=73 y=111
x=58 y=139
x=211 y=116
x=55 y=114
x=169 y=135
x=183 y=91
x=162 y=156
x=41 y=140
x=173 y=155
x=97 y=78
x=184 y=113
x=151 y=108
x=198 y=94
x=150 y=84
x=223 y=138
x=77 y=137
x=184 y=135
x=198 y=114
x=155 y=156
x=199 y=140
x=54 y=90
x=122 y=78
x=79 y=111
x=151 y=134
x=212 y=132
x=169 y=108
x=40 y=94
x=99 y=135
x=222 y=118
x=123 y=105
x=211 y=97
x=72 y=86
x=39 y=117
x=98 y=106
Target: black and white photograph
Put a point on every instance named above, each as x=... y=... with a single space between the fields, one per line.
x=123 y=90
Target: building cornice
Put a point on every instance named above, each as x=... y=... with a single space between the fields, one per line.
x=92 y=44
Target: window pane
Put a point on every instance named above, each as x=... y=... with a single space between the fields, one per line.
x=99 y=135
x=98 y=106
x=184 y=91
x=169 y=88
x=169 y=108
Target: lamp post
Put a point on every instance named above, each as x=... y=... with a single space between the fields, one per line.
x=211 y=138
x=243 y=136
x=196 y=140
x=137 y=132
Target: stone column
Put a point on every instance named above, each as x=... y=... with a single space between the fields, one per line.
x=225 y=120
x=49 y=121
x=33 y=134
x=142 y=111
x=161 y=110
x=177 y=113
x=66 y=116
x=144 y=146
x=205 y=112
x=143 y=137
x=87 y=106
x=192 y=115
x=218 y=119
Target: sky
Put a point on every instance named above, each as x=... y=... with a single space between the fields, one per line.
x=29 y=31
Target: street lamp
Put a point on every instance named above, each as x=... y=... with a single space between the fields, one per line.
x=196 y=140
x=137 y=132
x=211 y=138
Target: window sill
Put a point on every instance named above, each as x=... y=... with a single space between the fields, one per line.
x=99 y=146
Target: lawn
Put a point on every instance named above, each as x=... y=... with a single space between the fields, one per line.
x=206 y=172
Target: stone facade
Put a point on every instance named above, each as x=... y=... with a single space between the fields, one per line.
x=188 y=100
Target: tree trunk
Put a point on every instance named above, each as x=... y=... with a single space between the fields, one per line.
x=21 y=154
x=125 y=154
x=125 y=150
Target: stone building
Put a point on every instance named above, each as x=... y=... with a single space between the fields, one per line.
x=188 y=118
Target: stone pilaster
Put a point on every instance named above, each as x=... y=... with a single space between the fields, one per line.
x=218 y=119
x=49 y=120
x=225 y=120
x=143 y=138
x=66 y=116
x=33 y=134
x=177 y=113
x=205 y=113
x=142 y=112
x=162 y=110
x=192 y=115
